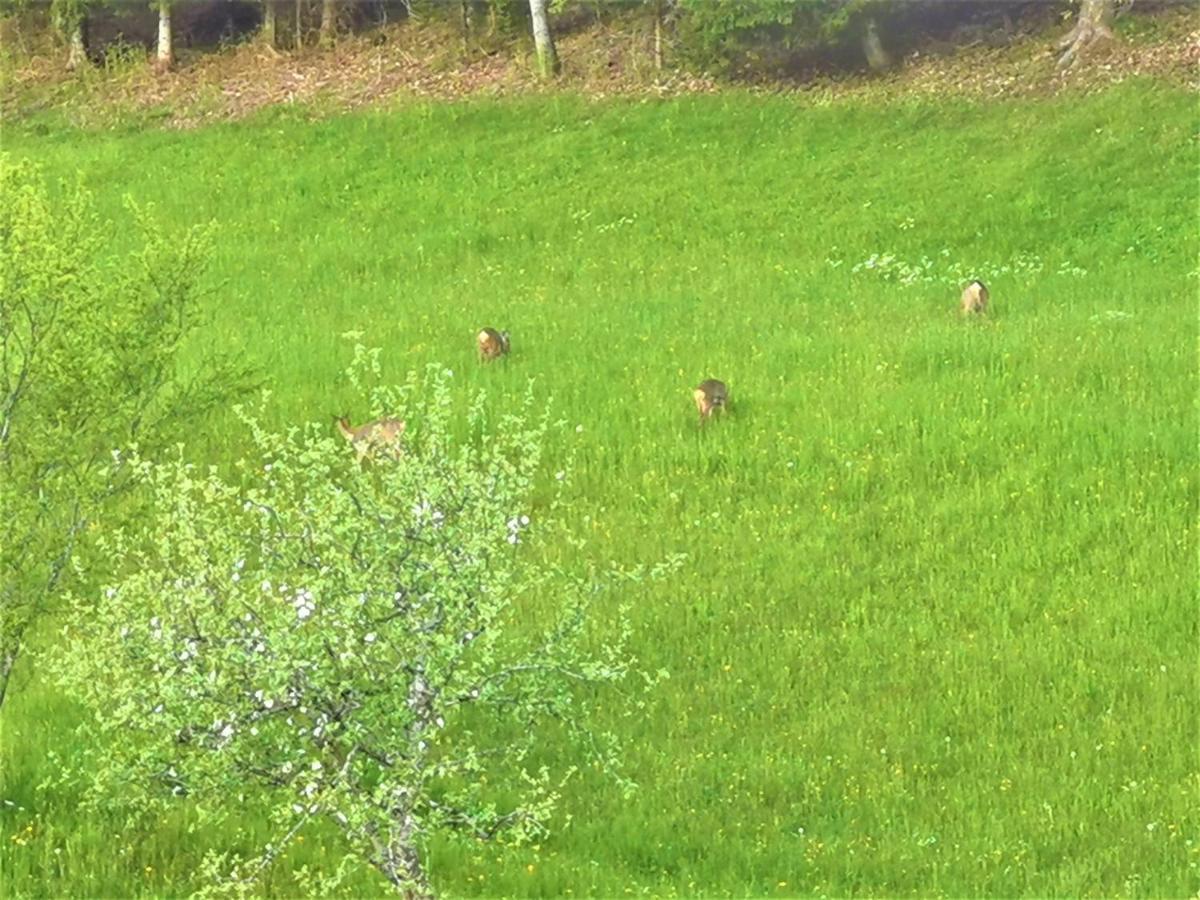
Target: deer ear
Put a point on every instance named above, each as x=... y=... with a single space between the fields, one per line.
x=400 y=428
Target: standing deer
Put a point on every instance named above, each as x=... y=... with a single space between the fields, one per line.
x=974 y=298
x=378 y=434
x=711 y=395
x=492 y=344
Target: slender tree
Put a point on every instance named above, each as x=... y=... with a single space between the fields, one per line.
x=164 y=57
x=543 y=40
x=70 y=17
x=269 y=23
x=658 y=35
x=329 y=22
x=1094 y=24
x=877 y=56
x=89 y=345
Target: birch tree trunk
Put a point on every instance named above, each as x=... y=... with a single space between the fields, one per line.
x=329 y=14
x=77 y=44
x=543 y=41
x=1094 y=24
x=269 y=21
x=165 y=56
x=877 y=56
x=658 y=42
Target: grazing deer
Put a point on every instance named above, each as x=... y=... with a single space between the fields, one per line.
x=378 y=434
x=974 y=298
x=709 y=396
x=492 y=344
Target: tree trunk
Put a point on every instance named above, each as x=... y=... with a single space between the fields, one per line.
x=543 y=41
x=269 y=23
x=405 y=871
x=658 y=51
x=77 y=44
x=298 y=40
x=6 y=667
x=329 y=16
x=165 y=57
x=1094 y=24
x=877 y=56
x=405 y=859
x=466 y=24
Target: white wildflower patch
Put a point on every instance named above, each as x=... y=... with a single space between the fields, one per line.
x=1111 y=315
x=943 y=270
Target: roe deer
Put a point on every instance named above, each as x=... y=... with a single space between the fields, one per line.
x=492 y=344
x=709 y=396
x=378 y=434
x=974 y=298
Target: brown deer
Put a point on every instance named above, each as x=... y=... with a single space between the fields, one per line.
x=710 y=395
x=974 y=298
x=492 y=344
x=378 y=434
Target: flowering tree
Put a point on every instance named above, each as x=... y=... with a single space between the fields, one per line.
x=368 y=645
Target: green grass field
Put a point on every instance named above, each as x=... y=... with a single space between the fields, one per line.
x=937 y=629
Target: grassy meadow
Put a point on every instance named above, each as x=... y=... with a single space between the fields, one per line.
x=936 y=633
